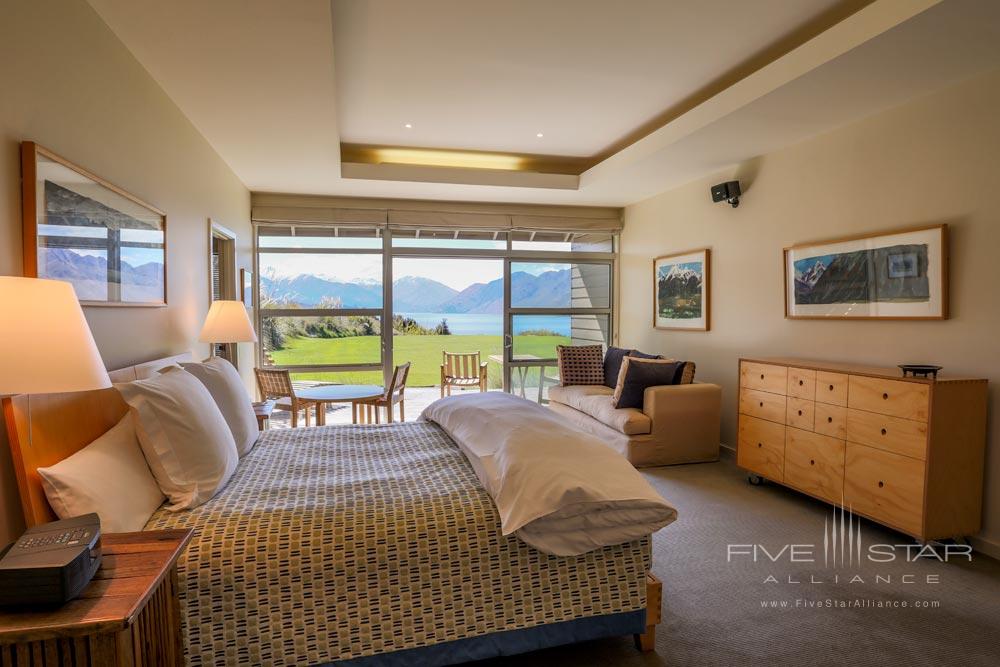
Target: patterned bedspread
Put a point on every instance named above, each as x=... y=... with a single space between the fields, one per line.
x=339 y=542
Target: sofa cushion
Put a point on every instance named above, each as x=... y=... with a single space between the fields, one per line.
x=613 y=364
x=639 y=374
x=687 y=377
x=580 y=364
x=595 y=402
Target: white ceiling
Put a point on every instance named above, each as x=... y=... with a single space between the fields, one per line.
x=259 y=80
x=256 y=77
x=491 y=75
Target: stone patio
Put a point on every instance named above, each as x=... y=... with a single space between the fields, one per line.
x=417 y=398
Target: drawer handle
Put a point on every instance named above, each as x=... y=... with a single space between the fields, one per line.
x=761 y=376
x=812 y=462
x=829 y=420
x=762 y=404
x=801 y=383
x=760 y=444
x=885 y=397
x=881 y=484
x=831 y=387
x=800 y=413
x=884 y=431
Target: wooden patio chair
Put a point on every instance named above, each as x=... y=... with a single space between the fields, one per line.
x=462 y=369
x=393 y=395
x=277 y=384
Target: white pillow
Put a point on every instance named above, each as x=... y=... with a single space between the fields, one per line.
x=182 y=433
x=224 y=384
x=109 y=476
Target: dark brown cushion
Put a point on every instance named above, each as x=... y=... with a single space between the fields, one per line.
x=613 y=364
x=580 y=364
x=639 y=374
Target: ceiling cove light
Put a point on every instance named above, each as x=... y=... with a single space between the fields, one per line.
x=443 y=158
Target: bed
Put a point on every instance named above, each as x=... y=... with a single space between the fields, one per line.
x=355 y=545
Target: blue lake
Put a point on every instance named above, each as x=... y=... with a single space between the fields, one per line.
x=471 y=324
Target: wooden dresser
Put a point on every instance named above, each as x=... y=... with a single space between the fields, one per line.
x=905 y=452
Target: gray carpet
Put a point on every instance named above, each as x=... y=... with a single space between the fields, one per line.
x=712 y=608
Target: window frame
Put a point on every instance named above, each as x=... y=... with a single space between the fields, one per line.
x=389 y=252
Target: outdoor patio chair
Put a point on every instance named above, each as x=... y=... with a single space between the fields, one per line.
x=462 y=369
x=277 y=384
x=393 y=395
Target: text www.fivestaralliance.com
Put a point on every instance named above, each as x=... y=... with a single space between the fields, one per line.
x=853 y=603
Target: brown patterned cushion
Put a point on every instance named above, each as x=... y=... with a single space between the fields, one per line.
x=688 y=376
x=580 y=364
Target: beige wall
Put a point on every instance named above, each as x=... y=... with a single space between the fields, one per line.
x=933 y=160
x=67 y=83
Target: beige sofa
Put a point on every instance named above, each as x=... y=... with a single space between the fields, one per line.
x=677 y=423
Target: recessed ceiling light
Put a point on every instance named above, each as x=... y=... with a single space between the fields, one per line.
x=446 y=158
x=408 y=126
x=539 y=135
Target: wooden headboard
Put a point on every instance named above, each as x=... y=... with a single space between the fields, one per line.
x=44 y=429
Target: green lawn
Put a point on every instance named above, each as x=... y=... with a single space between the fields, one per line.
x=424 y=352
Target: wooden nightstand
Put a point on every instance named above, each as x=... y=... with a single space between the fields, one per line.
x=263 y=410
x=128 y=615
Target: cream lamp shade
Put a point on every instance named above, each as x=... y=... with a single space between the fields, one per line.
x=227 y=322
x=45 y=343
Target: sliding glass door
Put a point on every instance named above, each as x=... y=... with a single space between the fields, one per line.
x=320 y=302
x=552 y=303
x=446 y=304
x=344 y=304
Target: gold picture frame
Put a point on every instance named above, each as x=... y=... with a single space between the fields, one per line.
x=109 y=244
x=899 y=274
x=682 y=291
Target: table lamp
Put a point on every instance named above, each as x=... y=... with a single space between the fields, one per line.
x=227 y=322
x=46 y=346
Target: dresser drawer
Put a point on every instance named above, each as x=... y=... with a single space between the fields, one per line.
x=831 y=388
x=763 y=405
x=908 y=400
x=902 y=436
x=761 y=447
x=885 y=486
x=801 y=383
x=800 y=413
x=831 y=420
x=814 y=463
x=763 y=377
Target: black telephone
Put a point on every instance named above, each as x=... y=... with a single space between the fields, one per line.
x=52 y=563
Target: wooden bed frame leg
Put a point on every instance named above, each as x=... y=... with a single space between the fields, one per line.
x=646 y=641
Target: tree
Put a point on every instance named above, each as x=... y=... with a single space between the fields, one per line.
x=442 y=329
x=273 y=338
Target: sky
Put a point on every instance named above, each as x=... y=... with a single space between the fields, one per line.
x=457 y=273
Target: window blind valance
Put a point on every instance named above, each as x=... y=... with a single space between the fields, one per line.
x=320 y=215
x=564 y=224
x=445 y=220
x=562 y=219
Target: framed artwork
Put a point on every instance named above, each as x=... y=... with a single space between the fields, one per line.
x=110 y=245
x=246 y=287
x=681 y=291
x=900 y=275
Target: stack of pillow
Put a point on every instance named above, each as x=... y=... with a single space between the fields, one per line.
x=185 y=432
x=629 y=372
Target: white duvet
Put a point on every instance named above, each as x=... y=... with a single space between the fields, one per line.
x=560 y=489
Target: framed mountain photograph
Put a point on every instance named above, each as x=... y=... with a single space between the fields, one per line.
x=681 y=291
x=110 y=245
x=901 y=275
